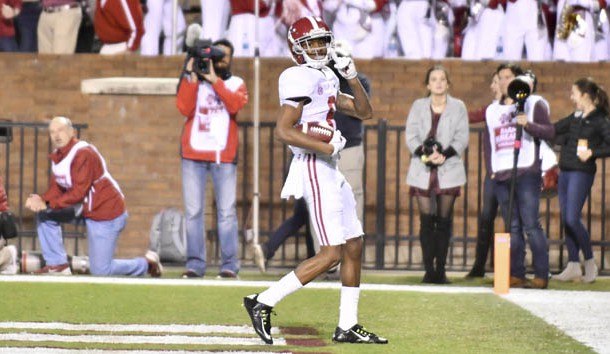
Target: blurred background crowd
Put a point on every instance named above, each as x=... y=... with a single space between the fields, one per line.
x=534 y=30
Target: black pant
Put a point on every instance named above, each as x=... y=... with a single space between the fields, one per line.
x=290 y=227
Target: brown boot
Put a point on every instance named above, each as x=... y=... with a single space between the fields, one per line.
x=538 y=283
x=516 y=282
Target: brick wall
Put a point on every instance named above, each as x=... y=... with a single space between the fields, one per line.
x=139 y=135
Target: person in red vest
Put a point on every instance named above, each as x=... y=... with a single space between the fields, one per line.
x=210 y=100
x=81 y=187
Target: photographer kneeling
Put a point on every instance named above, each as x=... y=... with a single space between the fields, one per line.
x=210 y=97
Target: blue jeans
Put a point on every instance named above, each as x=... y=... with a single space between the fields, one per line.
x=194 y=180
x=26 y=25
x=525 y=219
x=485 y=234
x=101 y=236
x=8 y=44
x=573 y=189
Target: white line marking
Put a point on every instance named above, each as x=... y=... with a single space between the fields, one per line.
x=21 y=350
x=37 y=337
x=171 y=328
x=583 y=315
x=233 y=283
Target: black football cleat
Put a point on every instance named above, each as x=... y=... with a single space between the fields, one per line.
x=260 y=314
x=357 y=334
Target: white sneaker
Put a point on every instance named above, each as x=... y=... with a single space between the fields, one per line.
x=12 y=268
x=571 y=273
x=259 y=257
x=155 y=269
x=590 y=271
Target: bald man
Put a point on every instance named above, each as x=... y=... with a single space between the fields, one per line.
x=81 y=187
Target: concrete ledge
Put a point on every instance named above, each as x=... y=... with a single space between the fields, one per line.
x=130 y=86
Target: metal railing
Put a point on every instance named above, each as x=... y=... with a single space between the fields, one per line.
x=390 y=218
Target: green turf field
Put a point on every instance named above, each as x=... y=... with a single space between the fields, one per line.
x=414 y=322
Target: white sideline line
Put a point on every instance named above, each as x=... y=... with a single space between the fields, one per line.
x=170 y=339
x=583 y=315
x=232 y=283
x=171 y=328
x=22 y=350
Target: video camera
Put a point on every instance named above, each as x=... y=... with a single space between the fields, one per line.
x=203 y=52
x=519 y=90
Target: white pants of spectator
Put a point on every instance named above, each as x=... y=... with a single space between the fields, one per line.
x=215 y=18
x=114 y=48
x=418 y=36
x=521 y=28
x=481 y=38
x=58 y=31
x=349 y=26
x=160 y=18
x=241 y=34
x=601 y=48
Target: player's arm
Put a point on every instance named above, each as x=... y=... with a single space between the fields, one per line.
x=289 y=116
x=357 y=105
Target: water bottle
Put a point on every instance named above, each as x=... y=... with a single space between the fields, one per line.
x=392 y=48
x=245 y=45
x=500 y=48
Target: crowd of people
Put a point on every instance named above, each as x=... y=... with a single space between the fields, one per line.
x=565 y=30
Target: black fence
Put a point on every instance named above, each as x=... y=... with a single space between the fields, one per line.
x=391 y=220
x=391 y=216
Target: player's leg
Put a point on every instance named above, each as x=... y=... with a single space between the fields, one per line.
x=348 y=330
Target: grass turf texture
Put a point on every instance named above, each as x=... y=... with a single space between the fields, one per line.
x=413 y=322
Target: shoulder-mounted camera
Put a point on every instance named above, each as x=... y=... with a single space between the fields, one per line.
x=203 y=52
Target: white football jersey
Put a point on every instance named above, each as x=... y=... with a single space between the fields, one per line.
x=321 y=86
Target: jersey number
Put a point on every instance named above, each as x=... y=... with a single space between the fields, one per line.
x=331 y=110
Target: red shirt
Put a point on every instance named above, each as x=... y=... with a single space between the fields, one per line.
x=119 y=21
x=101 y=200
x=7 y=28
x=3 y=199
x=233 y=101
x=247 y=7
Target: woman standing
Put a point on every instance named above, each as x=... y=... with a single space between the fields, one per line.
x=436 y=134
x=583 y=136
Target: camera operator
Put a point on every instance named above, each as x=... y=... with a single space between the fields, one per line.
x=503 y=121
x=210 y=97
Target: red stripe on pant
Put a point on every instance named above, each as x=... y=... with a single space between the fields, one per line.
x=317 y=202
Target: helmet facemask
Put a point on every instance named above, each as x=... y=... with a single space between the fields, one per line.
x=315 y=48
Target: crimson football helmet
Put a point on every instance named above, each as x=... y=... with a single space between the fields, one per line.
x=310 y=41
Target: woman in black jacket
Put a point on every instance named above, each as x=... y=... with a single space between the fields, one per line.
x=583 y=136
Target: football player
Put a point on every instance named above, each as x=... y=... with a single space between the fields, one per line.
x=309 y=92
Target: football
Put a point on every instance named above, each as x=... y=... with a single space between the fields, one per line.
x=319 y=131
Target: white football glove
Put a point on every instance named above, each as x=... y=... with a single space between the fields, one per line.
x=338 y=142
x=345 y=66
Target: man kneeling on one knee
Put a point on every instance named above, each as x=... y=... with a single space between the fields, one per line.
x=81 y=186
